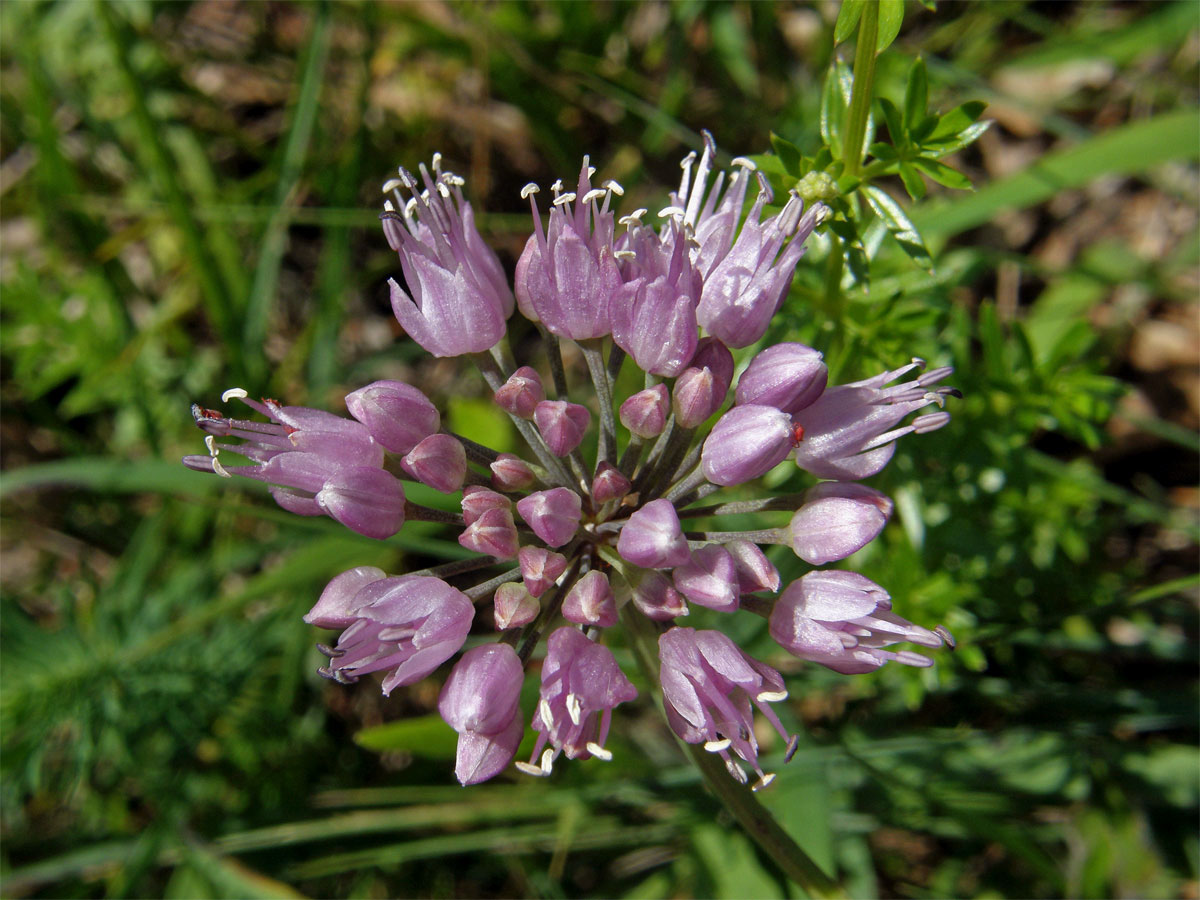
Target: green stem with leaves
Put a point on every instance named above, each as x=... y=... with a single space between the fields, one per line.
x=860 y=95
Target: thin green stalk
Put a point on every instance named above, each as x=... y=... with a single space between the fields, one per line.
x=760 y=536
x=782 y=501
x=554 y=357
x=414 y=512
x=860 y=95
x=487 y=588
x=738 y=799
x=594 y=357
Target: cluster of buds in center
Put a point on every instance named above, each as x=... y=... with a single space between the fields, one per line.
x=587 y=528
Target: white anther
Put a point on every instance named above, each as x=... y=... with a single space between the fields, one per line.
x=615 y=188
x=624 y=254
x=934 y=397
x=744 y=163
x=594 y=194
x=688 y=160
x=763 y=782
x=574 y=708
x=453 y=180
x=634 y=218
x=234 y=394
x=546 y=713
x=387 y=206
x=564 y=198
x=717 y=746
x=530 y=188
x=211 y=443
x=529 y=769
x=443 y=190
x=219 y=469
x=392 y=184
x=591 y=171
x=918 y=362
x=547 y=760
x=771 y=696
x=410 y=207
x=557 y=186
x=599 y=752
x=671 y=211
x=437 y=162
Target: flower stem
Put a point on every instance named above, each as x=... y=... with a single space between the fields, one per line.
x=594 y=357
x=554 y=356
x=738 y=799
x=414 y=512
x=783 y=501
x=762 y=536
x=860 y=95
x=483 y=589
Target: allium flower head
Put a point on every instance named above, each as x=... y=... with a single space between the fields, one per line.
x=603 y=519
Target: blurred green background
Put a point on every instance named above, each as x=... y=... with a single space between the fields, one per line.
x=190 y=200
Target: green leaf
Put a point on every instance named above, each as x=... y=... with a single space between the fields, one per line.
x=899 y=225
x=1135 y=147
x=847 y=19
x=891 y=15
x=954 y=122
x=913 y=182
x=426 y=736
x=835 y=98
x=788 y=154
x=942 y=173
x=891 y=115
x=916 y=94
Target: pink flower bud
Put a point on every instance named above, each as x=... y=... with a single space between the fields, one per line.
x=645 y=413
x=521 y=393
x=713 y=355
x=562 y=424
x=511 y=473
x=656 y=598
x=590 y=602
x=553 y=515
x=513 y=606
x=480 y=701
x=709 y=578
x=755 y=572
x=609 y=483
x=695 y=397
x=540 y=568
x=438 y=461
x=493 y=533
x=366 y=500
x=786 y=376
x=748 y=441
x=653 y=539
x=477 y=500
x=837 y=519
x=397 y=414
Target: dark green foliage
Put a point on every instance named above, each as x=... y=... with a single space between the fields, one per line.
x=190 y=202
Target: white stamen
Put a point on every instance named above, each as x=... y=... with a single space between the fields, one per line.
x=530 y=188
x=453 y=180
x=557 y=186
x=443 y=190
x=744 y=163
x=624 y=254
x=410 y=207
x=717 y=746
x=771 y=696
x=392 y=184
x=918 y=362
x=688 y=160
x=574 y=708
x=211 y=443
x=387 y=206
x=591 y=171
x=670 y=211
x=437 y=162
x=615 y=188
x=529 y=769
x=546 y=713
x=763 y=782
x=594 y=194
x=547 y=760
x=234 y=394
x=564 y=198
x=597 y=751
x=219 y=469
x=634 y=218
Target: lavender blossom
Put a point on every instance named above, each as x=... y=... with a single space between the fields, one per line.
x=576 y=537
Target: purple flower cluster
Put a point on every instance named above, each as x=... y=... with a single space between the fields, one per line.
x=587 y=529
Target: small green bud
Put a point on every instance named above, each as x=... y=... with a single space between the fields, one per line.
x=817 y=186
